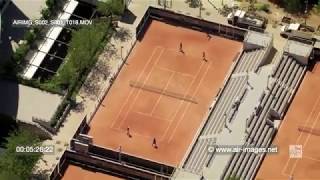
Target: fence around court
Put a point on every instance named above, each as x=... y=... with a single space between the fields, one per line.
x=98 y=163
x=59 y=168
x=137 y=163
x=188 y=21
x=107 y=160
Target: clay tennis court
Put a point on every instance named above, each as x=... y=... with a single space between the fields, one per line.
x=163 y=93
x=304 y=113
x=75 y=172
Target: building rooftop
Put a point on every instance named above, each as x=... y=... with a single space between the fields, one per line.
x=317 y=43
x=261 y=39
x=298 y=48
x=25 y=103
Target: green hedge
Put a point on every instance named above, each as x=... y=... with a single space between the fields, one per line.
x=59 y=112
x=81 y=56
x=46 y=86
x=85 y=47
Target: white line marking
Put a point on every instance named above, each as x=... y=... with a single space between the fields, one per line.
x=158 y=100
x=132 y=90
x=140 y=90
x=195 y=92
x=182 y=102
x=305 y=142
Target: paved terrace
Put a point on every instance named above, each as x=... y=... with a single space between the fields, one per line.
x=113 y=60
x=24 y=102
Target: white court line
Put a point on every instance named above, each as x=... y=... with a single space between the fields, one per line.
x=132 y=90
x=140 y=90
x=158 y=100
x=195 y=92
x=306 y=141
x=177 y=72
x=300 y=133
x=182 y=102
x=311 y=158
x=156 y=117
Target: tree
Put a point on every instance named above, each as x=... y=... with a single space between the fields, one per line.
x=103 y=8
x=13 y=164
x=293 y=5
x=318 y=6
x=110 y=7
x=8 y=175
x=251 y=6
x=20 y=53
x=30 y=36
x=117 y=7
x=50 y=4
x=7 y=124
x=193 y=3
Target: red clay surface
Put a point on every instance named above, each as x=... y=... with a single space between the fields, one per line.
x=157 y=62
x=303 y=112
x=77 y=173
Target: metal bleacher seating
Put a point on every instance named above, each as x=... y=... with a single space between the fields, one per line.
x=234 y=89
x=250 y=60
x=288 y=74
